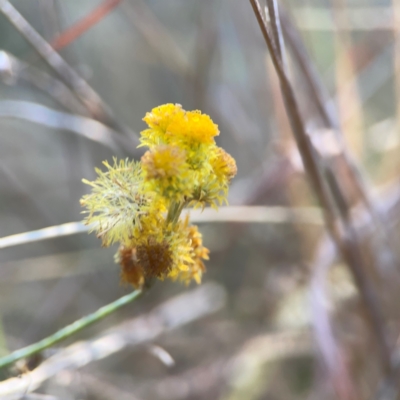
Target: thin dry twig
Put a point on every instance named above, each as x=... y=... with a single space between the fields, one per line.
x=309 y=158
x=302 y=140
x=82 y=126
x=387 y=203
x=245 y=214
x=84 y=24
x=329 y=116
x=259 y=214
x=275 y=20
x=14 y=70
x=84 y=92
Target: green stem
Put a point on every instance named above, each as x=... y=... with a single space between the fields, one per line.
x=179 y=209
x=171 y=212
x=3 y=344
x=174 y=211
x=68 y=330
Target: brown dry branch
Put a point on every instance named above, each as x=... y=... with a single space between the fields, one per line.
x=326 y=198
x=388 y=203
x=302 y=139
x=14 y=71
x=82 y=90
x=83 y=25
x=319 y=96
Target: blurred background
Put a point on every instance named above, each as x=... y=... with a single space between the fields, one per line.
x=291 y=325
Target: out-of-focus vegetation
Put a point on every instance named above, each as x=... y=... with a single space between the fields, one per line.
x=284 y=317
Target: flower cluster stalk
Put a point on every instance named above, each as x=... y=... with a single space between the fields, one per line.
x=68 y=330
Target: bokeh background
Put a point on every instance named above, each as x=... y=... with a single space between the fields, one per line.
x=266 y=341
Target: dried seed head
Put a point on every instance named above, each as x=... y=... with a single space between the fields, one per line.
x=155 y=258
x=131 y=271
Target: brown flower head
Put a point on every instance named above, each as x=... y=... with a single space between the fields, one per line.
x=131 y=271
x=155 y=258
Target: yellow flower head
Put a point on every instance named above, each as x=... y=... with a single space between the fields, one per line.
x=223 y=165
x=166 y=172
x=163 y=162
x=138 y=204
x=176 y=254
x=159 y=120
x=148 y=260
x=211 y=193
x=199 y=253
x=160 y=117
x=192 y=127
x=170 y=124
x=189 y=255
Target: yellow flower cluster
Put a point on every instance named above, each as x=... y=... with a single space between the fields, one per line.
x=138 y=204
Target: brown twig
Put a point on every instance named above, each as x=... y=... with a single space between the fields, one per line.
x=319 y=97
x=350 y=244
x=301 y=137
x=308 y=155
x=13 y=70
x=84 y=24
x=84 y=92
x=275 y=21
